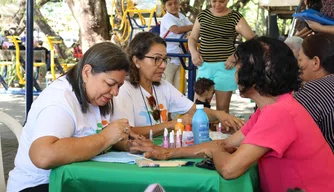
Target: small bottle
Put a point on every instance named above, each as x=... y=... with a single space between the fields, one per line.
x=151 y=135
x=187 y=137
x=219 y=127
x=178 y=139
x=179 y=125
x=171 y=140
x=166 y=143
x=180 y=136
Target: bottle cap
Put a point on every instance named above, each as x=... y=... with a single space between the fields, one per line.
x=165 y=132
x=188 y=128
x=179 y=120
x=199 y=106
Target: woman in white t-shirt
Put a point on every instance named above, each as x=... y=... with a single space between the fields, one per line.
x=146 y=99
x=70 y=120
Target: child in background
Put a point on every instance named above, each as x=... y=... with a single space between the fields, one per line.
x=173 y=25
x=204 y=89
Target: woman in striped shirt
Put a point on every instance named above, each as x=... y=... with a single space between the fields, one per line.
x=218 y=27
x=316 y=60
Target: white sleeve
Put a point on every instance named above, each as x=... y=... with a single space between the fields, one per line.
x=167 y=22
x=178 y=103
x=188 y=22
x=124 y=106
x=54 y=121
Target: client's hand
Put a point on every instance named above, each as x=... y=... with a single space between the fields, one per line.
x=214 y=147
x=149 y=149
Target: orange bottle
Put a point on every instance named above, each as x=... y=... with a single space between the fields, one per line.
x=179 y=125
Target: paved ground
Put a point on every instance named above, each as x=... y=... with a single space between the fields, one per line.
x=14 y=105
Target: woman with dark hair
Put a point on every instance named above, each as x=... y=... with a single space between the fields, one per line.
x=316 y=60
x=281 y=135
x=70 y=120
x=146 y=99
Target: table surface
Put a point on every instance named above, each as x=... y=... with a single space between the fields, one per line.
x=104 y=176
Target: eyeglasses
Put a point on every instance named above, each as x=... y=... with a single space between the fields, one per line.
x=158 y=60
x=154 y=108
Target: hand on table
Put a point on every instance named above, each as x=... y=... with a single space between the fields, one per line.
x=149 y=149
x=214 y=148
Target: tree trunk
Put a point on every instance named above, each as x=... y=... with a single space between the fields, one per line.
x=91 y=15
x=18 y=19
x=47 y=30
x=194 y=10
x=239 y=4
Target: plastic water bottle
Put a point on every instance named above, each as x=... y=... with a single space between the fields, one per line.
x=200 y=127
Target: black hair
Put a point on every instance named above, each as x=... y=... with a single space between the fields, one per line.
x=139 y=47
x=202 y=85
x=314 y=4
x=268 y=65
x=163 y=1
x=295 y=190
x=322 y=46
x=102 y=57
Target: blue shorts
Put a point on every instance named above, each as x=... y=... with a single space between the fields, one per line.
x=224 y=79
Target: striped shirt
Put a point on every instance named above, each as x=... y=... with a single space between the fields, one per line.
x=317 y=96
x=327 y=8
x=217 y=35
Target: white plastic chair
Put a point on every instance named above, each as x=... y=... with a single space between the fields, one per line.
x=16 y=127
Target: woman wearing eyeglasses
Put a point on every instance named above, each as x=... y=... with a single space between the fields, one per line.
x=145 y=99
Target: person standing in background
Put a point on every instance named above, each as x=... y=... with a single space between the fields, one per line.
x=173 y=25
x=218 y=27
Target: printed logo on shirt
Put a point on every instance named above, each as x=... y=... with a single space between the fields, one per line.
x=163 y=115
x=102 y=125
